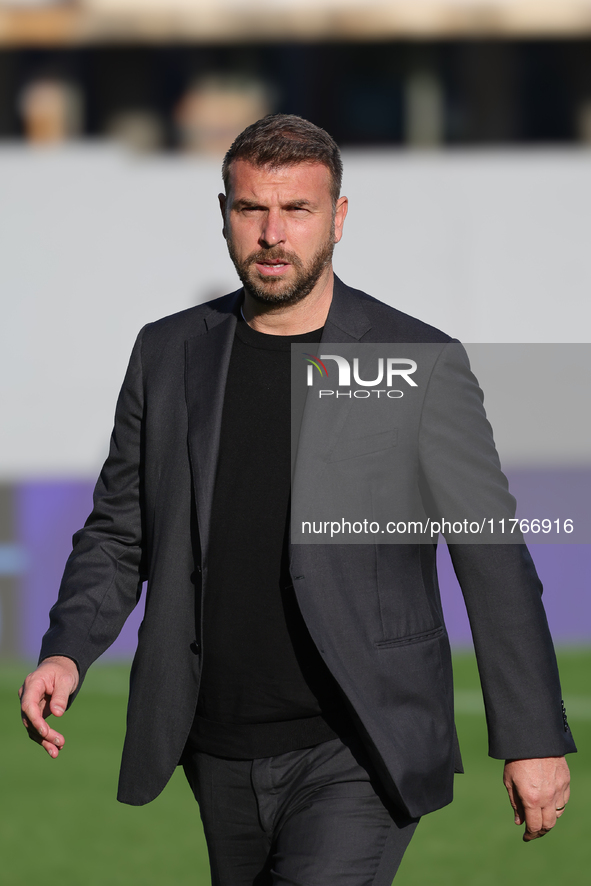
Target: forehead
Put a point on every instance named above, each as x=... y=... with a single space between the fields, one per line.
x=309 y=180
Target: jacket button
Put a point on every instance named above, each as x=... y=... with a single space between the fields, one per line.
x=195 y=647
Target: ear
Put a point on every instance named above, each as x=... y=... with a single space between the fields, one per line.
x=223 y=200
x=339 y=217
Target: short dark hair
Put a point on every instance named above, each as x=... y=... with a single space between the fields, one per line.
x=284 y=140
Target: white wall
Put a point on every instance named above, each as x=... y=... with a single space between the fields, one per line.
x=490 y=246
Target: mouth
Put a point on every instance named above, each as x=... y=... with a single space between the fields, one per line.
x=272 y=267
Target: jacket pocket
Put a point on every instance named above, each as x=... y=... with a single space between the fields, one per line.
x=358 y=446
x=413 y=638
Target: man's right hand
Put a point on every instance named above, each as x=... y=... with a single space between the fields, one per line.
x=46 y=691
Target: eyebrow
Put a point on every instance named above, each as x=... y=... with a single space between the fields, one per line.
x=253 y=204
x=245 y=204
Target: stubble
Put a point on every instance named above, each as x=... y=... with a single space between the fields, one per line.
x=274 y=290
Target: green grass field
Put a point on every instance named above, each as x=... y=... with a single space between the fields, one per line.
x=60 y=824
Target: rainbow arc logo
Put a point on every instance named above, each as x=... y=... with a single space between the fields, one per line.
x=314 y=361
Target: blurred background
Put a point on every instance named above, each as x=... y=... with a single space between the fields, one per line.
x=466 y=134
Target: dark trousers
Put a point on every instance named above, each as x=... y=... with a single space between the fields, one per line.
x=313 y=817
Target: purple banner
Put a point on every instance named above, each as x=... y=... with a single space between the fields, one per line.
x=49 y=512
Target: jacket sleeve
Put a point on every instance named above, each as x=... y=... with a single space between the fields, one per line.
x=104 y=573
x=502 y=592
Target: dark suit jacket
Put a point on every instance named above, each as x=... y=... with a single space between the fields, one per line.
x=372 y=610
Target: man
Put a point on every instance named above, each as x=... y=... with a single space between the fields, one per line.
x=306 y=689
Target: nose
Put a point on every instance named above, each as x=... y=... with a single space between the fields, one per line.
x=273 y=230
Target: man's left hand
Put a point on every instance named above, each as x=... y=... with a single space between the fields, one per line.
x=538 y=790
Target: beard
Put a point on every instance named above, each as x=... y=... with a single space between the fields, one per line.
x=274 y=290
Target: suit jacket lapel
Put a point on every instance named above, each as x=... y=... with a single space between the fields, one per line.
x=207 y=357
x=347 y=322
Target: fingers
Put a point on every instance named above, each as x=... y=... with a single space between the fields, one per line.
x=32 y=715
x=48 y=738
x=562 y=802
x=53 y=744
x=541 y=820
x=538 y=822
x=515 y=800
x=60 y=697
x=34 y=694
x=53 y=747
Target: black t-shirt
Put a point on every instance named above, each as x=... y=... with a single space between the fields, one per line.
x=265 y=689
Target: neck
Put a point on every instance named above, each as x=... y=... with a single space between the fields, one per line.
x=304 y=316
